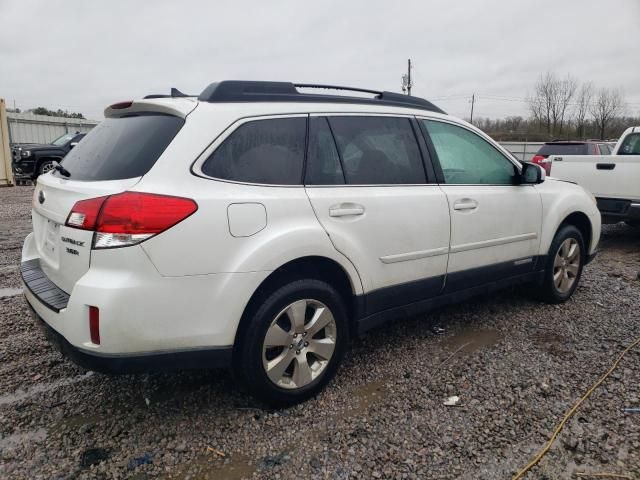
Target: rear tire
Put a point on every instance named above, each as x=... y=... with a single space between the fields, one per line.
x=293 y=343
x=564 y=265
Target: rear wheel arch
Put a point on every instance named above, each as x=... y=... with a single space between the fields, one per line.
x=312 y=267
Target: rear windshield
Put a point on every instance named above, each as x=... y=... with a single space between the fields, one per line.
x=119 y=148
x=563 y=149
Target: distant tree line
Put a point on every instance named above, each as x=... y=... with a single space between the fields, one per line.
x=562 y=108
x=56 y=113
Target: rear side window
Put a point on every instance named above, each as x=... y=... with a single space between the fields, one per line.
x=563 y=149
x=630 y=145
x=261 y=151
x=119 y=148
x=378 y=150
x=323 y=162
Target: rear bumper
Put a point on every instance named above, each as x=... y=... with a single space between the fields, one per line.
x=147 y=362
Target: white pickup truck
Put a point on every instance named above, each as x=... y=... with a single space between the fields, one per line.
x=613 y=179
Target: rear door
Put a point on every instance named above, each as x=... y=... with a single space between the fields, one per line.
x=111 y=158
x=495 y=224
x=366 y=181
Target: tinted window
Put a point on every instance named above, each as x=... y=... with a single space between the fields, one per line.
x=120 y=148
x=604 y=149
x=378 y=150
x=630 y=145
x=261 y=151
x=467 y=158
x=323 y=162
x=563 y=149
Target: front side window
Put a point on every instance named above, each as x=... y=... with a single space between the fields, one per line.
x=630 y=145
x=261 y=151
x=468 y=159
x=378 y=150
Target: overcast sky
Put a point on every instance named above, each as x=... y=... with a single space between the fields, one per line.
x=83 y=55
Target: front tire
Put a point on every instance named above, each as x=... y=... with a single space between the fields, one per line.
x=46 y=167
x=564 y=265
x=293 y=343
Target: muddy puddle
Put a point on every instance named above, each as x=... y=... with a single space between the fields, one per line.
x=41 y=388
x=469 y=341
x=211 y=466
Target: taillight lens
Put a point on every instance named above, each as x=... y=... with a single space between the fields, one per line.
x=543 y=161
x=129 y=218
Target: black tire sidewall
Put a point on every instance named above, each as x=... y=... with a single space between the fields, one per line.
x=551 y=293
x=248 y=360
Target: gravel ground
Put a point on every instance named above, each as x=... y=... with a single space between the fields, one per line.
x=517 y=366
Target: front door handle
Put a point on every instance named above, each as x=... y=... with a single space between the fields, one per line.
x=345 y=210
x=605 y=166
x=465 y=204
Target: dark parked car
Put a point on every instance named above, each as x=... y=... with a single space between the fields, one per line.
x=560 y=147
x=32 y=159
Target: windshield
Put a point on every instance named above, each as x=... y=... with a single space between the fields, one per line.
x=630 y=145
x=125 y=147
x=58 y=142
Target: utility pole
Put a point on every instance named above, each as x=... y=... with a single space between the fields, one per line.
x=406 y=79
x=473 y=101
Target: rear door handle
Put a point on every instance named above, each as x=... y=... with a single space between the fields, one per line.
x=605 y=166
x=465 y=204
x=345 y=210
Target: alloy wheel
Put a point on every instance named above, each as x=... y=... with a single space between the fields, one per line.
x=566 y=265
x=299 y=343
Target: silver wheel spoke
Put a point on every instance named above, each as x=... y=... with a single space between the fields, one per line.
x=321 y=318
x=323 y=347
x=277 y=366
x=557 y=277
x=573 y=251
x=302 y=374
x=296 y=313
x=573 y=270
x=558 y=261
x=277 y=337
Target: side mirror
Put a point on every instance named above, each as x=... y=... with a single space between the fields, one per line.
x=73 y=144
x=532 y=174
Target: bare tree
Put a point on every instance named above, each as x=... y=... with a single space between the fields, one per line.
x=608 y=104
x=550 y=101
x=562 y=91
x=583 y=102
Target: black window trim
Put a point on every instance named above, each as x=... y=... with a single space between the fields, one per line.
x=436 y=160
x=429 y=179
x=196 y=166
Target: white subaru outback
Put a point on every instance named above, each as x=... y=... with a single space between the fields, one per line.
x=259 y=226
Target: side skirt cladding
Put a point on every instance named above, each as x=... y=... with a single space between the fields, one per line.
x=381 y=306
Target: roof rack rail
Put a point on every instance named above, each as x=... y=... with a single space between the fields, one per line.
x=175 y=93
x=261 y=91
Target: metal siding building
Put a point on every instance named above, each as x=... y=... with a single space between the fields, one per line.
x=29 y=128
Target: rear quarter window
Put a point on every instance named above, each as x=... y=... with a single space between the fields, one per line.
x=269 y=151
x=119 y=148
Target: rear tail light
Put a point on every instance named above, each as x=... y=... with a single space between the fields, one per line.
x=129 y=218
x=543 y=161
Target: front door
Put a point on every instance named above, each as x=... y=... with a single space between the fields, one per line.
x=495 y=223
x=366 y=182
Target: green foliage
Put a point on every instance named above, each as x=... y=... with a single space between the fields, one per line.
x=56 y=113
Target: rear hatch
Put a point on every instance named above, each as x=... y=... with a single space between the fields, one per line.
x=111 y=159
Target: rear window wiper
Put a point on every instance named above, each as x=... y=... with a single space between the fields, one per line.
x=62 y=170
